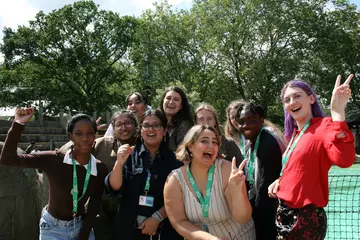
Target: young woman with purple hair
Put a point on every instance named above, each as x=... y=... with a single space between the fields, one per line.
x=315 y=144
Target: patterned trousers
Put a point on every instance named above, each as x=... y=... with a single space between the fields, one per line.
x=307 y=223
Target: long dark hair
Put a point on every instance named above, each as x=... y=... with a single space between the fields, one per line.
x=184 y=113
x=139 y=96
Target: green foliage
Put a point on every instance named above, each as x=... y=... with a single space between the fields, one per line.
x=88 y=59
x=71 y=56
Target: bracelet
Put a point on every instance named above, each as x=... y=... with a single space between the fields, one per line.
x=157 y=216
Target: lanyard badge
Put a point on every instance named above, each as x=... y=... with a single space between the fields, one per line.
x=252 y=156
x=242 y=145
x=204 y=202
x=292 y=146
x=145 y=200
x=75 y=190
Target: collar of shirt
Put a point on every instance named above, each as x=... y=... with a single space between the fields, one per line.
x=68 y=160
x=143 y=149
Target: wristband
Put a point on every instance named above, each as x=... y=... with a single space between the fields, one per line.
x=157 y=216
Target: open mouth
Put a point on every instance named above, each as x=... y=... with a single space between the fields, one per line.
x=151 y=135
x=208 y=155
x=296 y=109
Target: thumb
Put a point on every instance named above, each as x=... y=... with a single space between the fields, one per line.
x=131 y=149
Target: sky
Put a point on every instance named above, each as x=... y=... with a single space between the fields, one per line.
x=18 y=12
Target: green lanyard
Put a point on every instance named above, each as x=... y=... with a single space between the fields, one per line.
x=242 y=145
x=147 y=184
x=252 y=156
x=75 y=190
x=204 y=202
x=291 y=146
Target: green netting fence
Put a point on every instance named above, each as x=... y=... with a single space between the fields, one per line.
x=343 y=210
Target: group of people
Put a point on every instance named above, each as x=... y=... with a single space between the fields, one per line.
x=165 y=174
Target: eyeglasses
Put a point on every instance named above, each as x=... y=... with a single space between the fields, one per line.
x=126 y=124
x=155 y=126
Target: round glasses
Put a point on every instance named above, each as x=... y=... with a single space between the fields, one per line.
x=127 y=124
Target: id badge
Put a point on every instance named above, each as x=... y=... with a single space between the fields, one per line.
x=147 y=201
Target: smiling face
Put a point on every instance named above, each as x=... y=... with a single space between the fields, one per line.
x=205 y=117
x=83 y=136
x=152 y=131
x=172 y=103
x=135 y=105
x=250 y=124
x=124 y=127
x=205 y=149
x=298 y=104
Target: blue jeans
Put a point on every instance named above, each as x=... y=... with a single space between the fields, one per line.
x=54 y=229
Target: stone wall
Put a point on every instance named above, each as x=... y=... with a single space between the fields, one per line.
x=20 y=203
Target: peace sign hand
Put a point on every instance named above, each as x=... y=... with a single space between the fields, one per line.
x=23 y=115
x=237 y=177
x=98 y=125
x=340 y=97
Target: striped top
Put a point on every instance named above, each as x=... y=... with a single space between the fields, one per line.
x=220 y=222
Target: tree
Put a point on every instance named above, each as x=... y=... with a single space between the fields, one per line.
x=70 y=57
x=334 y=50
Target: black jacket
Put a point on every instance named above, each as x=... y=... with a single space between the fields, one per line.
x=134 y=179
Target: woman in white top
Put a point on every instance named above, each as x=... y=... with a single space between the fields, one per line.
x=207 y=199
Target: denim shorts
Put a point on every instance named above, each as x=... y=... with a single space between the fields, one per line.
x=55 y=229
